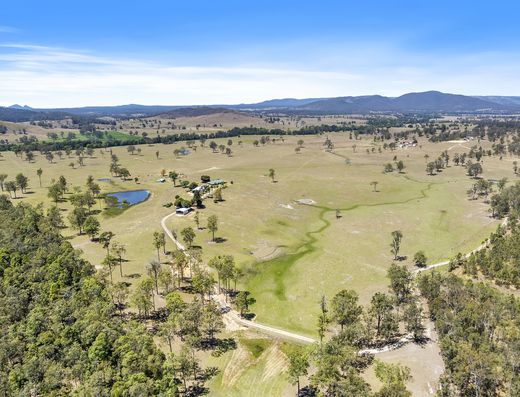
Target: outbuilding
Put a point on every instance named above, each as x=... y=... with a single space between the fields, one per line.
x=183 y=211
x=216 y=182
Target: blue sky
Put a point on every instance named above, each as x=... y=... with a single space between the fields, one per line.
x=65 y=53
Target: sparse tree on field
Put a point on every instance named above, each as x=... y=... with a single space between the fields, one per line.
x=173 y=176
x=91 y=227
x=394 y=378
x=124 y=173
x=345 y=308
x=420 y=259
x=501 y=184
x=388 y=168
x=400 y=282
x=3 y=177
x=196 y=218
x=119 y=292
x=413 y=316
x=271 y=174
x=168 y=329
x=395 y=245
x=166 y=280
x=323 y=320
x=11 y=187
x=153 y=269
x=212 y=226
x=22 y=182
x=188 y=235
x=203 y=283
x=381 y=308
x=54 y=192
x=54 y=217
x=179 y=262
x=77 y=218
x=374 y=185
x=39 y=172
x=104 y=239
x=143 y=297
x=110 y=262
x=474 y=169
x=212 y=320
x=159 y=240
x=298 y=366
x=119 y=250
x=430 y=167
x=243 y=300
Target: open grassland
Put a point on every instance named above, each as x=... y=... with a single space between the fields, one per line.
x=291 y=253
x=164 y=125
x=18 y=130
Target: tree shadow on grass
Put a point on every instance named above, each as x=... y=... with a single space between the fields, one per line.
x=196 y=390
x=220 y=346
x=421 y=340
x=249 y=316
x=220 y=240
x=307 y=391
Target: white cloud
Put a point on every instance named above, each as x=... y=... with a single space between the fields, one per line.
x=43 y=76
x=7 y=29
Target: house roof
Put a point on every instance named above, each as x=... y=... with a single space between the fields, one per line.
x=216 y=182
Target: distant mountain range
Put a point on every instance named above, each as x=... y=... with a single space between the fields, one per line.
x=420 y=102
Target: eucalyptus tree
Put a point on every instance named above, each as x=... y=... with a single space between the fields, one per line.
x=39 y=172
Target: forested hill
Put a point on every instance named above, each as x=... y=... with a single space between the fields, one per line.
x=59 y=333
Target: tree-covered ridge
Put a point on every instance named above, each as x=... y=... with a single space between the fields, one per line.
x=479 y=335
x=59 y=331
x=499 y=261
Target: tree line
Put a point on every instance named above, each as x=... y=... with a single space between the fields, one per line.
x=94 y=142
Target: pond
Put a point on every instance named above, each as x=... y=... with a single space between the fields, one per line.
x=130 y=197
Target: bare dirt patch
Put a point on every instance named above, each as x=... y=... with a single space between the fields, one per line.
x=306 y=201
x=265 y=253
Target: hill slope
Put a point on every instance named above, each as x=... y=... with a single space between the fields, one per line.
x=431 y=101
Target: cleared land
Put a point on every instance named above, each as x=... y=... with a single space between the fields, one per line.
x=207 y=123
x=292 y=253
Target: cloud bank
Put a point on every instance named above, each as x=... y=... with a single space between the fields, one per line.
x=43 y=76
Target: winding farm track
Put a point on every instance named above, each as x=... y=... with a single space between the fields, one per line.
x=234 y=317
